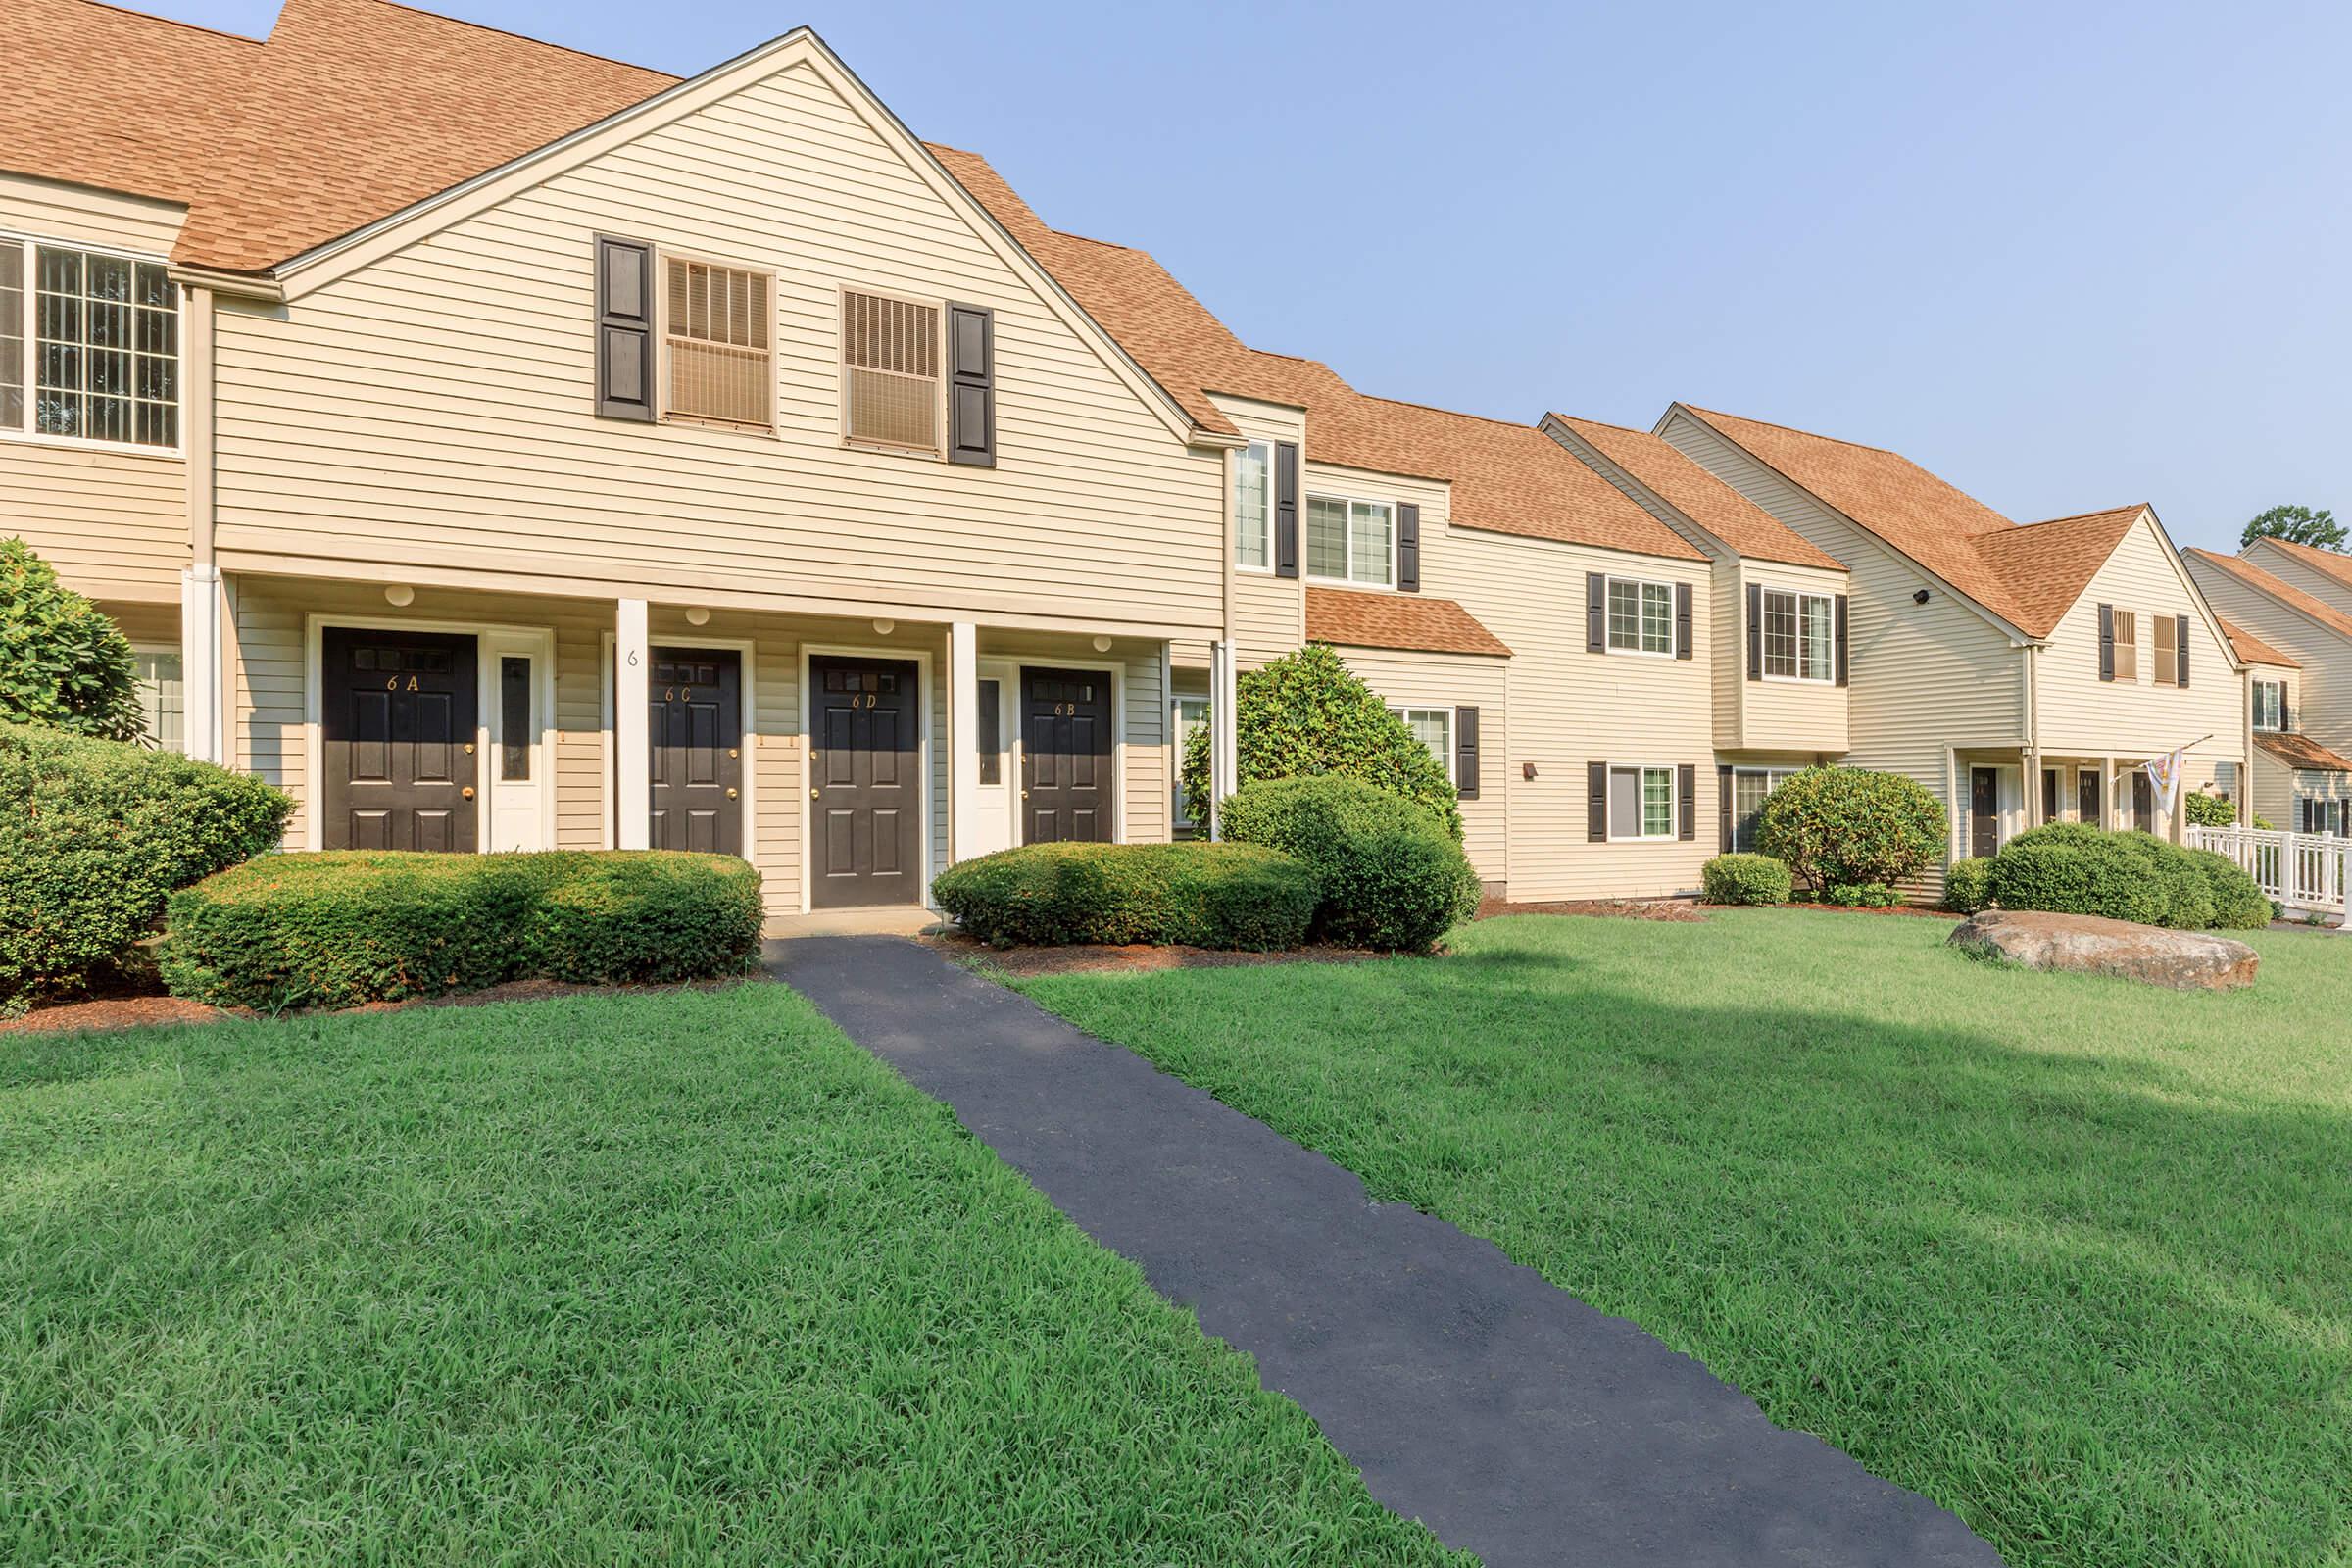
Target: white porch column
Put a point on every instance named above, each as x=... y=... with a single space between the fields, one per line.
x=1224 y=752
x=2109 y=783
x=203 y=672
x=963 y=730
x=632 y=736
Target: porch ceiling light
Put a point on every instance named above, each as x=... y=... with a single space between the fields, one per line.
x=698 y=616
x=1101 y=645
x=883 y=627
x=399 y=595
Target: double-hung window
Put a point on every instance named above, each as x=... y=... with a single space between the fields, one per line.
x=1751 y=786
x=718 y=340
x=1188 y=713
x=889 y=350
x=2126 y=645
x=90 y=346
x=1799 y=636
x=1351 y=541
x=1253 y=506
x=163 y=697
x=1641 y=616
x=2270 y=705
x=1433 y=727
x=1641 y=802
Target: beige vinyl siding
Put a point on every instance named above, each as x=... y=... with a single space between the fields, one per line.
x=2292 y=570
x=1926 y=678
x=48 y=208
x=114 y=524
x=2279 y=791
x=1451 y=681
x=436 y=402
x=2323 y=684
x=1269 y=613
x=1727 y=651
x=1786 y=716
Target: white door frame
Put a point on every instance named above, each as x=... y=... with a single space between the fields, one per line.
x=541 y=640
x=920 y=658
x=745 y=651
x=1114 y=668
x=1006 y=673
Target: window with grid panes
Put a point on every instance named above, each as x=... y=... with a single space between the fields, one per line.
x=89 y=345
x=890 y=354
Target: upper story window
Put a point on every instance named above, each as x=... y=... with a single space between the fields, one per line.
x=718 y=342
x=891 y=383
x=89 y=345
x=1641 y=616
x=1253 y=506
x=2126 y=645
x=2270 y=705
x=1799 y=636
x=1351 y=541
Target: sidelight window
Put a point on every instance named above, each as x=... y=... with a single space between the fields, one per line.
x=514 y=719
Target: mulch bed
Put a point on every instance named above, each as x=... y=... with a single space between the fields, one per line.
x=143 y=1011
x=1928 y=911
x=1675 y=910
x=1085 y=959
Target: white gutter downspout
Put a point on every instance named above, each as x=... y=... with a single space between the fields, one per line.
x=203 y=668
x=2032 y=756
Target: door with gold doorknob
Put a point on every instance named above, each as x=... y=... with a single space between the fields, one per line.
x=696 y=714
x=397 y=718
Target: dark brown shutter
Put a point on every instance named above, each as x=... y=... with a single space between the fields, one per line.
x=1465 y=752
x=1840 y=621
x=1682 y=620
x=1408 y=548
x=2286 y=710
x=1286 y=509
x=1596 y=803
x=1723 y=806
x=2179 y=650
x=1755 y=631
x=972 y=385
x=624 y=329
x=1686 y=789
x=1596 y=612
x=2106 y=642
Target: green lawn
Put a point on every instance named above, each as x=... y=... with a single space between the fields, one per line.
x=677 y=1278
x=2069 y=1255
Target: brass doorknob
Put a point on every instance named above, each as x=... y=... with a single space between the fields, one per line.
x=813 y=794
x=730 y=795
x=467 y=792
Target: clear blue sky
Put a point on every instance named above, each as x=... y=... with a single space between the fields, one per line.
x=2066 y=255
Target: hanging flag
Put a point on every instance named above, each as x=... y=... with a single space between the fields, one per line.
x=2164 y=773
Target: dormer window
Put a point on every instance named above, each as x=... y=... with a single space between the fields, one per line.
x=90 y=346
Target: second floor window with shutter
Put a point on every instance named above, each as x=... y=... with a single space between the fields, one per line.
x=1641 y=616
x=2126 y=645
x=1253 y=506
x=718 y=337
x=90 y=346
x=890 y=359
x=2270 y=705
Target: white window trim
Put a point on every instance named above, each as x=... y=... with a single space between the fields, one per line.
x=1445 y=717
x=1347 y=540
x=1176 y=706
x=169 y=650
x=2254 y=704
x=1766 y=774
x=1674 y=804
x=1234 y=516
x=1800 y=678
x=24 y=434
x=1638 y=652
x=936 y=453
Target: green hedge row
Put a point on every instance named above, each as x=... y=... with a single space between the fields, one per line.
x=346 y=927
x=1393 y=876
x=94 y=835
x=2076 y=868
x=1195 y=894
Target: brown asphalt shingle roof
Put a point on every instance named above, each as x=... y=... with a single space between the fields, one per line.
x=2252 y=649
x=2301 y=751
x=1349 y=617
x=2285 y=593
x=1709 y=503
x=2030 y=576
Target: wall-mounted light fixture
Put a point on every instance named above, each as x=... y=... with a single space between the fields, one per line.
x=400 y=595
x=1101 y=645
x=698 y=616
x=1920 y=598
x=884 y=626
x=1526 y=771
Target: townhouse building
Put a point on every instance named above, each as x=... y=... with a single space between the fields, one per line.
x=2298 y=648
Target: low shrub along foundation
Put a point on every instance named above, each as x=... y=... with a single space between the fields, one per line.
x=1194 y=894
x=346 y=927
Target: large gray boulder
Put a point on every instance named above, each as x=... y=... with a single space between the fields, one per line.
x=2086 y=943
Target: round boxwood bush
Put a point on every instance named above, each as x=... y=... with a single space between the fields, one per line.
x=2238 y=901
x=1968 y=885
x=2077 y=868
x=64 y=665
x=1393 y=877
x=1307 y=714
x=1198 y=894
x=351 y=926
x=1745 y=879
x=1849 y=826
x=94 y=835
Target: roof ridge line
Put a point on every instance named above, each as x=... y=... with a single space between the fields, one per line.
x=175 y=21
x=544 y=43
x=1833 y=440
x=2078 y=516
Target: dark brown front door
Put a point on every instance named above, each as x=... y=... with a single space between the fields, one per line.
x=1066 y=764
x=1984 y=810
x=696 y=735
x=2143 y=802
x=2087 y=797
x=397 y=736
x=2049 y=795
x=866 y=771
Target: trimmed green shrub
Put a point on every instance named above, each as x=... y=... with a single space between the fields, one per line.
x=1858 y=895
x=1307 y=714
x=1198 y=894
x=1392 y=876
x=2076 y=868
x=351 y=926
x=1745 y=879
x=1850 y=826
x=64 y=665
x=2209 y=810
x=1968 y=885
x=94 y=834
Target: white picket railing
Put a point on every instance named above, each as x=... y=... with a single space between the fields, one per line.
x=2306 y=871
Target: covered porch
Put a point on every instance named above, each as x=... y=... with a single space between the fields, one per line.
x=850 y=757
x=1999 y=793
